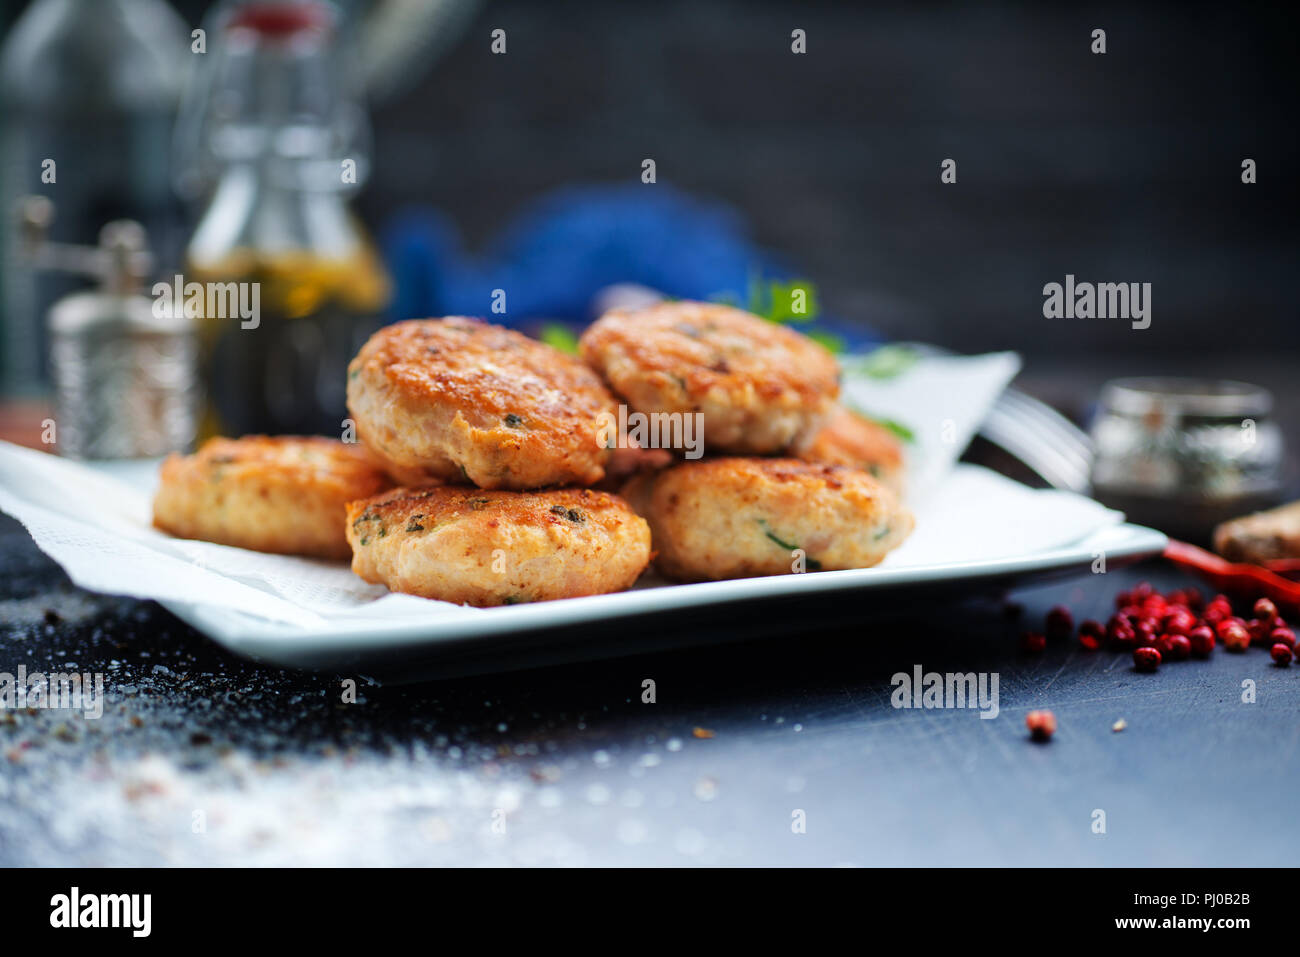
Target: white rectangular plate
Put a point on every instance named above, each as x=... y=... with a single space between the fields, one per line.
x=975 y=531
x=647 y=618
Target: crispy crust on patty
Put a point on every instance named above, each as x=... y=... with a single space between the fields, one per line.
x=761 y=386
x=849 y=438
x=741 y=517
x=284 y=494
x=459 y=400
x=480 y=547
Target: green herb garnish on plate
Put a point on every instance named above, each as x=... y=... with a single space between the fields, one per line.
x=887 y=362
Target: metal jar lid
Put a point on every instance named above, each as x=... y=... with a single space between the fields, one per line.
x=1224 y=399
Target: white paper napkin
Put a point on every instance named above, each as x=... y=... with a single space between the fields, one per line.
x=97 y=526
x=941 y=400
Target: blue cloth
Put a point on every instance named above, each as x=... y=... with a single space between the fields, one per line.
x=573 y=242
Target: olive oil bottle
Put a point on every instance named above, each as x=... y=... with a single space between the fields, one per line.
x=275 y=129
x=284 y=370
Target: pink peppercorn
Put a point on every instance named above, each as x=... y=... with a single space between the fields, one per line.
x=1146 y=634
x=1041 y=724
x=1180 y=648
x=1202 y=641
x=1283 y=636
x=1059 y=623
x=1131 y=613
x=1032 y=642
x=1155 y=607
x=1265 y=610
x=1146 y=659
x=1091 y=634
x=1179 y=622
x=1121 y=633
x=1221 y=626
x=1217 y=610
x=1282 y=654
x=1235 y=636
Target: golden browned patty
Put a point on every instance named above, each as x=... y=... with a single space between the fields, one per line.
x=285 y=494
x=849 y=438
x=741 y=517
x=478 y=547
x=760 y=386
x=458 y=400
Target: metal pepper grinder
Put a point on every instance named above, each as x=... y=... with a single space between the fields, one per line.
x=123 y=364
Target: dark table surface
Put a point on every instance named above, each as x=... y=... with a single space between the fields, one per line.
x=203 y=758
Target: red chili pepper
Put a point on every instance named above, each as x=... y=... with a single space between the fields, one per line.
x=1286 y=567
x=1250 y=581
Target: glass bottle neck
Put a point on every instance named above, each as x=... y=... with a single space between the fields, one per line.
x=257 y=207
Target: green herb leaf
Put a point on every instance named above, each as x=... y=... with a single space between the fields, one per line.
x=771 y=535
x=774 y=300
x=560 y=337
x=811 y=562
x=786 y=545
x=887 y=362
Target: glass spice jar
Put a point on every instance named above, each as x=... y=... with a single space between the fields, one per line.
x=1185 y=454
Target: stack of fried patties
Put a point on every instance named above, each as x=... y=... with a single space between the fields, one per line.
x=505 y=448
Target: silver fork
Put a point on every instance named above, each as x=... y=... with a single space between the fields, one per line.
x=1043 y=439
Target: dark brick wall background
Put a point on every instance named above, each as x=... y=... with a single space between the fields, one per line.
x=1122 y=167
